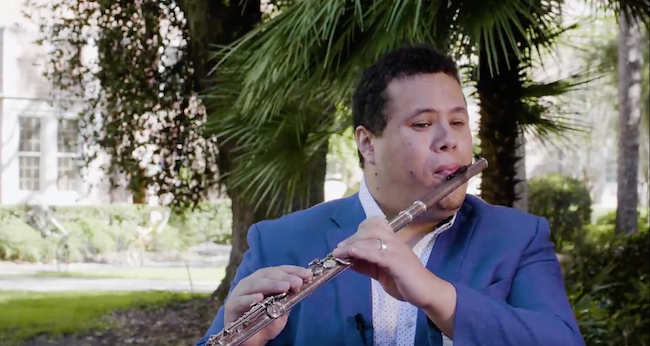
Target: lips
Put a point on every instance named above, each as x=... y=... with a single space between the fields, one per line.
x=445 y=170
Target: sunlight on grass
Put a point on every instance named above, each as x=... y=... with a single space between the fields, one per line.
x=27 y=314
x=197 y=274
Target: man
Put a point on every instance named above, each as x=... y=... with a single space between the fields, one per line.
x=465 y=271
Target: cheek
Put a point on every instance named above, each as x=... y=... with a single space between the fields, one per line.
x=466 y=147
x=412 y=156
x=397 y=157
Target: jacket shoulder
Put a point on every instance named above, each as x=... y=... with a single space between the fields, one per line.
x=313 y=218
x=506 y=219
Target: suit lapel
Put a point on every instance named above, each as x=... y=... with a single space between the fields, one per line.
x=449 y=250
x=445 y=261
x=352 y=289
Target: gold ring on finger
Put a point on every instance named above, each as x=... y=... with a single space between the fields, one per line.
x=382 y=246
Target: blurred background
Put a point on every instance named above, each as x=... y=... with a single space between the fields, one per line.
x=139 y=140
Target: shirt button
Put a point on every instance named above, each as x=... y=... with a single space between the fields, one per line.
x=410 y=323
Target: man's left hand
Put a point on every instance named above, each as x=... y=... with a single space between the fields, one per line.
x=380 y=254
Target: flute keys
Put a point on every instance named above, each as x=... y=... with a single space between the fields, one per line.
x=318 y=270
x=329 y=264
x=275 y=310
x=343 y=261
x=313 y=263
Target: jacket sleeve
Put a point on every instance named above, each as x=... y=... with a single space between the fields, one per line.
x=250 y=263
x=537 y=310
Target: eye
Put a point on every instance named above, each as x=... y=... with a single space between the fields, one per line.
x=457 y=123
x=421 y=125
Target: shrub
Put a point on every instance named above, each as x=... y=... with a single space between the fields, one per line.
x=209 y=222
x=110 y=228
x=565 y=202
x=19 y=241
x=608 y=285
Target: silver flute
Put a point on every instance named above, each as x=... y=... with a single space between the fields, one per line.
x=272 y=307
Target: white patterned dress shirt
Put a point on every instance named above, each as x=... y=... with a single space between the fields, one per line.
x=394 y=321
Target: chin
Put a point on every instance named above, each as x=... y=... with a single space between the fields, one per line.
x=453 y=201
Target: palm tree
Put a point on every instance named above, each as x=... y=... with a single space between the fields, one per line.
x=511 y=103
x=313 y=51
x=629 y=107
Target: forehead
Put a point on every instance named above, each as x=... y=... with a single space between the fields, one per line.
x=437 y=91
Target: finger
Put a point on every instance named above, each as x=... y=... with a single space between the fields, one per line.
x=366 y=234
x=295 y=282
x=241 y=304
x=380 y=223
x=368 y=229
x=295 y=276
x=367 y=250
x=304 y=273
x=263 y=286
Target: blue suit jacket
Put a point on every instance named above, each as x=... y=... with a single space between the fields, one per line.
x=509 y=284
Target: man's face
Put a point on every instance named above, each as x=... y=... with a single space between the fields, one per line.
x=427 y=137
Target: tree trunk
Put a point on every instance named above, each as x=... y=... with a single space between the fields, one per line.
x=140 y=196
x=244 y=217
x=500 y=99
x=629 y=95
x=138 y=185
x=521 y=187
x=215 y=22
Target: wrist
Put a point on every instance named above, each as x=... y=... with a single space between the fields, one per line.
x=440 y=300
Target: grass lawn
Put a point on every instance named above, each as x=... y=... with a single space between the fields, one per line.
x=197 y=274
x=27 y=314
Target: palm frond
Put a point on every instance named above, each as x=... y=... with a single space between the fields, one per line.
x=275 y=89
x=272 y=164
x=272 y=159
x=546 y=114
x=637 y=11
x=519 y=27
x=561 y=86
x=316 y=48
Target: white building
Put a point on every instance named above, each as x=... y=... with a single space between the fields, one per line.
x=39 y=141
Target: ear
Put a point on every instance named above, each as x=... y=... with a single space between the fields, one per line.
x=365 y=145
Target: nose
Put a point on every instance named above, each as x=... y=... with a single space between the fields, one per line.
x=444 y=139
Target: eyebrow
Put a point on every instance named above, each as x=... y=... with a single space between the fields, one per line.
x=419 y=111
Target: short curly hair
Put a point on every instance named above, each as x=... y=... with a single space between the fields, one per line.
x=369 y=100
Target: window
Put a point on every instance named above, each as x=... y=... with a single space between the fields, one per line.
x=29 y=153
x=67 y=144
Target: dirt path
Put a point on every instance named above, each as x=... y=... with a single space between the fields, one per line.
x=180 y=324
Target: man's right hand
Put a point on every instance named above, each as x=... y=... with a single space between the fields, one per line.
x=253 y=288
